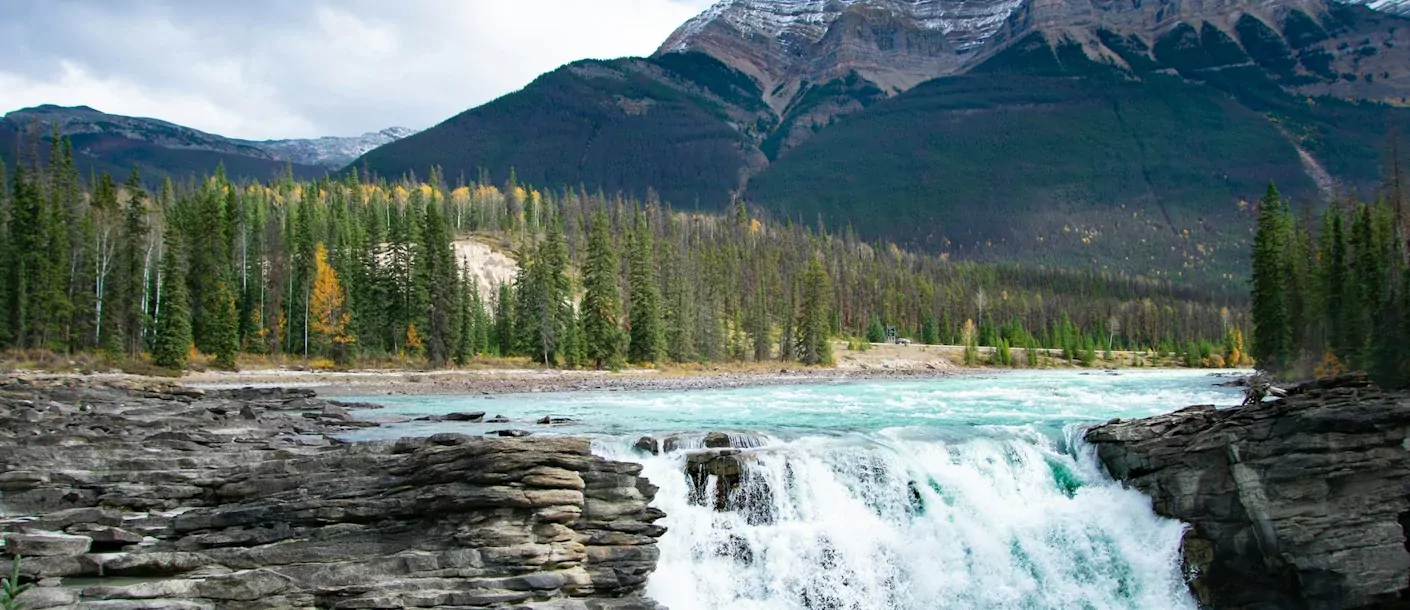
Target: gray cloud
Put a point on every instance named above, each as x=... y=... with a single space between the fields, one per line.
x=271 y=68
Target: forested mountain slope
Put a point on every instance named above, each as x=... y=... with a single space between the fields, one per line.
x=1072 y=133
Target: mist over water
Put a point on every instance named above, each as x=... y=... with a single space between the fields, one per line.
x=965 y=492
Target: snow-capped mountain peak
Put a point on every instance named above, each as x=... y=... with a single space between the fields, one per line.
x=331 y=151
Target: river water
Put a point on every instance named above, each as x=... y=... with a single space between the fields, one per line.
x=962 y=492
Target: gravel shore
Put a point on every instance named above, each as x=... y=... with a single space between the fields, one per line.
x=400 y=383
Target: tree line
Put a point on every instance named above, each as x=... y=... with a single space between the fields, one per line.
x=1331 y=293
x=350 y=268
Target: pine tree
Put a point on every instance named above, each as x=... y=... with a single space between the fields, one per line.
x=1271 y=334
x=575 y=343
x=465 y=327
x=647 y=337
x=437 y=280
x=814 y=345
x=173 y=337
x=760 y=328
x=876 y=333
x=677 y=315
x=131 y=267
x=1338 y=308
x=224 y=327
x=602 y=298
x=504 y=320
x=29 y=267
x=929 y=331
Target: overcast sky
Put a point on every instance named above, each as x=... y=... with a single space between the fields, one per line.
x=264 y=69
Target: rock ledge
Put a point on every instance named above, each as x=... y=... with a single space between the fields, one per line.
x=1300 y=502
x=167 y=497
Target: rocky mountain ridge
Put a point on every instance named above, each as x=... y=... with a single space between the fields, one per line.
x=791 y=45
x=329 y=152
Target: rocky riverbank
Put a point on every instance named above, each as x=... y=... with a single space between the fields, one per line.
x=160 y=496
x=526 y=381
x=1300 y=502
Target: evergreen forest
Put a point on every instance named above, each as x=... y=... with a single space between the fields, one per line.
x=1331 y=292
x=352 y=270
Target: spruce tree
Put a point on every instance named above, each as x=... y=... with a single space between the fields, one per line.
x=929 y=331
x=28 y=267
x=678 y=314
x=437 y=281
x=876 y=333
x=465 y=325
x=647 y=337
x=173 y=338
x=224 y=320
x=1338 y=308
x=1369 y=288
x=760 y=328
x=1271 y=334
x=575 y=343
x=814 y=346
x=481 y=340
x=131 y=283
x=504 y=320
x=602 y=298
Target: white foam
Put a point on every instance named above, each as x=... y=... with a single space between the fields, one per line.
x=907 y=524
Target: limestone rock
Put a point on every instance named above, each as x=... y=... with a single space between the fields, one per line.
x=1297 y=502
x=252 y=513
x=46 y=544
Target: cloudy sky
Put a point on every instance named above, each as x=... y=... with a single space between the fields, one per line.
x=276 y=69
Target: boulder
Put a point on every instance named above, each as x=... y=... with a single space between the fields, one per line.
x=717 y=440
x=39 y=598
x=476 y=416
x=46 y=544
x=105 y=537
x=331 y=411
x=648 y=444
x=94 y=515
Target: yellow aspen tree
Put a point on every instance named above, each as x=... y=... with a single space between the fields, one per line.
x=329 y=315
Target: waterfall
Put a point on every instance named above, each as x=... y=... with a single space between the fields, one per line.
x=1005 y=517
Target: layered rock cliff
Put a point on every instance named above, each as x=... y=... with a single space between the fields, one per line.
x=1300 y=502
x=166 y=497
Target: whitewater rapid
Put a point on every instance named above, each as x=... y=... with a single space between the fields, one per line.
x=968 y=492
x=882 y=522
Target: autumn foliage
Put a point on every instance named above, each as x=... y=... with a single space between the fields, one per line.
x=329 y=316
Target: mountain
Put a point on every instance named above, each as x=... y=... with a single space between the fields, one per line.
x=1123 y=135
x=331 y=152
x=113 y=143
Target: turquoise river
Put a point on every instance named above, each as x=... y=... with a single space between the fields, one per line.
x=960 y=492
